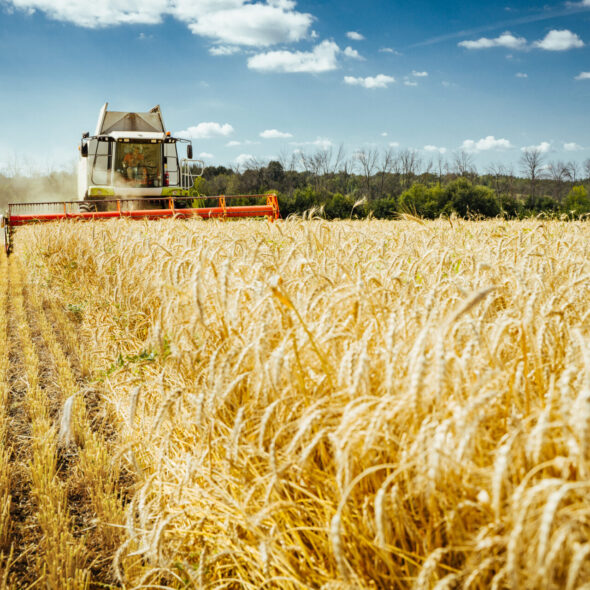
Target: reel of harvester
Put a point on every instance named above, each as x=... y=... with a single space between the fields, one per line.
x=220 y=207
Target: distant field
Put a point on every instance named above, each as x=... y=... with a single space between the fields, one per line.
x=304 y=404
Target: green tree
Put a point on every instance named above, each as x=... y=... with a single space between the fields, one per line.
x=274 y=173
x=510 y=206
x=339 y=207
x=577 y=201
x=384 y=208
x=464 y=199
x=306 y=198
x=422 y=200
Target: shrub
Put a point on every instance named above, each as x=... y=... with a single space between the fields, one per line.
x=339 y=206
x=465 y=199
x=421 y=200
x=577 y=201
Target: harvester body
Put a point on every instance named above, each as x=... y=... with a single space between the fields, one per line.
x=131 y=168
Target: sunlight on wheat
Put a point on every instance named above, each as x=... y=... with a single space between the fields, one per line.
x=308 y=404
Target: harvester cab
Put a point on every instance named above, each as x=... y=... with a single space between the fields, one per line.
x=131 y=156
x=131 y=168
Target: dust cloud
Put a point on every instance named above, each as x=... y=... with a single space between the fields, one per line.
x=55 y=186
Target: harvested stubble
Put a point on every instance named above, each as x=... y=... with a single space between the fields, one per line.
x=60 y=555
x=341 y=405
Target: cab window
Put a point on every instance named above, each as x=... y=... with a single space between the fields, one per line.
x=138 y=164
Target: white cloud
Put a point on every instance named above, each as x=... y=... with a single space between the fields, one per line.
x=521 y=75
x=410 y=83
x=243 y=159
x=433 y=148
x=384 y=134
x=207 y=130
x=389 y=50
x=486 y=144
x=543 y=147
x=206 y=156
x=353 y=53
x=378 y=81
x=321 y=59
x=583 y=75
x=355 y=36
x=394 y=144
x=572 y=147
x=555 y=40
x=506 y=39
x=235 y=22
x=321 y=142
x=224 y=50
x=284 y=4
x=96 y=14
x=235 y=143
x=559 y=41
x=275 y=134
x=258 y=25
x=419 y=74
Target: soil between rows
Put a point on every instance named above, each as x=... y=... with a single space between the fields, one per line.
x=25 y=534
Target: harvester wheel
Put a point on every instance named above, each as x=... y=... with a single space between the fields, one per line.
x=87 y=206
x=183 y=204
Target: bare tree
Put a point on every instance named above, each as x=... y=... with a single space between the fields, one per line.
x=441 y=164
x=305 y=162
x=574 y=171
x=338 y=159
x=409 y=164
x=283 y=159
x=532 y=162
x=322 y=163
x=254 y=163
x=368 y=161
x=509 y=180
x=463 y=163
x=323 y=158
x=310 y=164
x=558 y=172
x=13 y=167
x=496 y=171
x=587 y=169
x=288 y=160
x=386 y=166
x=347 y=168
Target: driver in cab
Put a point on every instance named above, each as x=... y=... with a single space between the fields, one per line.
x=132 y=160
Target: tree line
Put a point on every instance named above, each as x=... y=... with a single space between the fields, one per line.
x=381 y=183
x=386 y=183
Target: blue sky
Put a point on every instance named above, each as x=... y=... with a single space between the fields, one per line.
x=267 y=77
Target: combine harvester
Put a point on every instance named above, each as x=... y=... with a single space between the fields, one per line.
x=131 y=168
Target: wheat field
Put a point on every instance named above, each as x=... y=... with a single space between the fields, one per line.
x=304 y=404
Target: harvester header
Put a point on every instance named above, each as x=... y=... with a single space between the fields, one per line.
x=131 y=168
x=218 y=207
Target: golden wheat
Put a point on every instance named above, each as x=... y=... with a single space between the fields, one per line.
x=5 y=450
x=309 y=404
x=60 y=555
